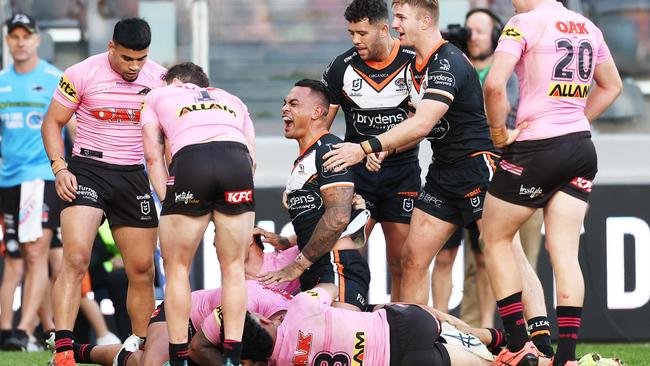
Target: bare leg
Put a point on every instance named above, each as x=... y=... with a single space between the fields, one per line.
x=157 y=350
x=232 y=237
x=441 y=278
x=91 y=310
x=395 y=234
x=77 y=245
x=426 y=236
x=35 y=255
x=485 y=298
x=460 y=356
x=137 y=246
x=178 y=251
x=12 y=274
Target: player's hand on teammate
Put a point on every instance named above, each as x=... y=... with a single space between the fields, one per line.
x=66 y=185
x=505 y=139
x=272 y=238
x=374 y=160
x=358 y=203
x=343 y=155
x=289 y=273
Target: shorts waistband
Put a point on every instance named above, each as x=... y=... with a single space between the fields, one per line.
x=552 y=140
x=101 y=164
x=207 y=145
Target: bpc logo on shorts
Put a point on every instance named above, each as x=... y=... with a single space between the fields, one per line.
x=235 y=198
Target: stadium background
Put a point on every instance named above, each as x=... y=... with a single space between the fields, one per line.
x=258 y=48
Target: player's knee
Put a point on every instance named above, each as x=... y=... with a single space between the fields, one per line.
x=445 y=258
x=395 y=265
x=76 y=264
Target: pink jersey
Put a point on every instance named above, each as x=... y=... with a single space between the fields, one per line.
x=558 y=50
x=189 y=115
x=314 y=333
x=276 y=261
x=107 y=108
x=206 y=307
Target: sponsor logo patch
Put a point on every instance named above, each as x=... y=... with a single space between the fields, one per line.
x=235 y=198
x=582 y=183
x=568 y=90
x=511 y=32
x=66 y=87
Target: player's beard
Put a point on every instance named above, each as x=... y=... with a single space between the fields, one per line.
x=482 y=56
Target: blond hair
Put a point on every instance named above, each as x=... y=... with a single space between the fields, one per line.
x=430 y=6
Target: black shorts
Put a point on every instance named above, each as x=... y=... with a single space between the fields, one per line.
x=215 y=175
x=390 y=192
x=121 y=191
x=531 y=172
x=10 y=207
x=347 y=269
x=414 y=334
x=456 y=193
x=158 y=316
x=472 y=234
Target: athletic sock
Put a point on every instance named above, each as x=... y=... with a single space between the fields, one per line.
x=123 y=357
x=540 y=333
x=63 y=340
x=568 y=323
x=231 y=352
x=498 y=340
x=178 y=354
x=144 y=341
x=512 y=315
x=82 y=352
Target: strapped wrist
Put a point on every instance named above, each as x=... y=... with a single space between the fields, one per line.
x=58 y=165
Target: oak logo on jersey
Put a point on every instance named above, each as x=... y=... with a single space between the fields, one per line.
x=359 y=349
x=116 y=114
x=205 y=107
x=66 y=87
x=571 y=27
x=511 y=32
x=568 y=90
x=303 y=348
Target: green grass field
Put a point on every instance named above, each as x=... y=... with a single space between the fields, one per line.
x=635 y=354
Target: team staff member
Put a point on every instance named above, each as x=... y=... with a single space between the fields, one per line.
x=367 y=83
x=320 y=203
x=551 y=164
x=201 y=123
x=28 y=198
x=105 y=176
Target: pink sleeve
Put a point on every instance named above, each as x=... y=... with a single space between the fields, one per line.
x=603 y=53
x=312 y=301
x=212 y=326
x=147 y=112
x=70 y=88
x=515 y=36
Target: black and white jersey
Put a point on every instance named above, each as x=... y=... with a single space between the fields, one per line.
x=307 y=179
x=372 y=95
x=447 y=76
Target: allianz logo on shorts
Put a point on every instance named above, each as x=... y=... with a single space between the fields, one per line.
x=185 y=197
x=532 y=191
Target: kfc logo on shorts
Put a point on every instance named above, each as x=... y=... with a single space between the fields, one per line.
x=582 y=183
x=235 y=198
x=155 y=312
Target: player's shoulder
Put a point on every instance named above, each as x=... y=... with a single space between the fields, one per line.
x=338 y=65
x=329 y=139
x=447 y=58
x=406 y=53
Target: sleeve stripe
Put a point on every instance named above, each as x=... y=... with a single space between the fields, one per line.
x=441 y=92
x=337 y=184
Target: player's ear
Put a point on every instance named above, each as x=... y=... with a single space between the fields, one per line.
x=317 y=112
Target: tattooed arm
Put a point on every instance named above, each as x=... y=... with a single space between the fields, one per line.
x=337 y=200
x=154 y=154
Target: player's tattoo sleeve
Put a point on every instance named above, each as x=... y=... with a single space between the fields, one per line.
x=338 y=205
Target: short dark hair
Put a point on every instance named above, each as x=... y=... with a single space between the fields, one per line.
x=317 y=87
x=374 y=10
x=188 y=72
x=257 y=343
x=132 y=33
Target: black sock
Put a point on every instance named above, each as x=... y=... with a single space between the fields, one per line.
x=231 y=352
x=178 y=353
x=540 y=332
x=82 y=352
x=568 y=323
x=498 y=340
x=123 y=357
x=512 y=315
x=63 y=340
x=144 y=340
x=5 y=334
